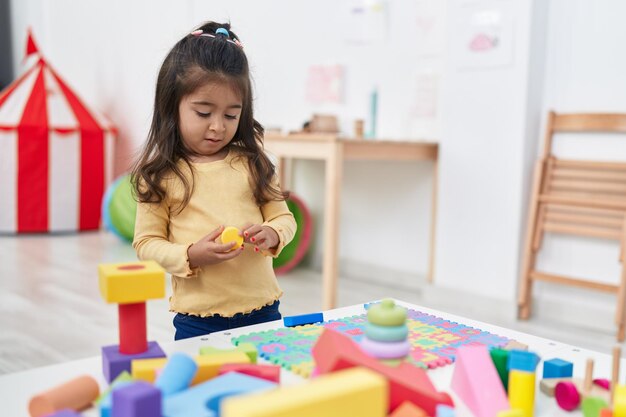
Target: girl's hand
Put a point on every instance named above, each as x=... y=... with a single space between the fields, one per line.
x=207 y=251
x=262 y=237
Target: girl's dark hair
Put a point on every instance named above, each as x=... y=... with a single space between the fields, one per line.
x=192 y=62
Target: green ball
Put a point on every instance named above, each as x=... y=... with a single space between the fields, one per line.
x=122 y=209
x=387 y=313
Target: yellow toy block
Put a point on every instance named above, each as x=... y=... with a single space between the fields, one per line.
x=145 y=369
x=522 y=391
x=351 y=392
x=619 y=401
x=131 y=282
x=209 y=365
x=247 y=348
x=511 y=413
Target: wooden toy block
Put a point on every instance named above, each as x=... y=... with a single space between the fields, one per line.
x=386 y=313
x=511 y=413
x=445 y=411
x=592 y=405
x=477 y=383
x=335 y=351
x=303 y=319
x=132 y=328
x=500 y=358
x=522 y=391
x=408 y=409
x=385 y=350
x=267 y=372
x=75 y=394
x=145 y=369
x=548 y=385
x=131 y=282
x=138 y=399
x=522 y=360
x=247 y=348
x=557 y=368
x=386 y=333
x=515 y=345
x=177 y=374
x=114 y=362
x=203 y=400
x=352 y=392
x=619 y=401
x=231 y=234
x=209 y=365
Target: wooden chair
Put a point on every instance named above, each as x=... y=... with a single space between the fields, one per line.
x=576 y=197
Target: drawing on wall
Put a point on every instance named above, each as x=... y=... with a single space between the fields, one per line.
x=366 y=21
x=324 y=84
x=429 y=28
x=484 y=35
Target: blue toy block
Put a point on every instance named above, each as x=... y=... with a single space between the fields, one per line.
x=300 y=320
x=65 y=413
x=139 y=399
x=523 y=360
x=114 y=362
x=177 y=374
x=444 y=411
x=202 y=400
x=557 y=368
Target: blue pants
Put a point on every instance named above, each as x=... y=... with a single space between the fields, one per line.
x=190 y=326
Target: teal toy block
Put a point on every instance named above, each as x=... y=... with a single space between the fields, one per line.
x=557 y=368
x=303 y=319
x=523 y=360
x=203 y=400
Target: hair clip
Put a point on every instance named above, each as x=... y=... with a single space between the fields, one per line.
x=220 y=31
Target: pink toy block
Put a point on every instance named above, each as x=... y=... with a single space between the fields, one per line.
x=567 y=395
x=477 y=383
x=267 y=372
x=334 y=351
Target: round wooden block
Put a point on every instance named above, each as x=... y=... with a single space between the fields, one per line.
x=231 y=234
x=567 y=395
x=387 y=313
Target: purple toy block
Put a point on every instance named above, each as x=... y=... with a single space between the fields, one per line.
x=65 y=413
x=139 y=399
x=114 y=362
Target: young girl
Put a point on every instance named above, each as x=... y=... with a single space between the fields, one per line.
x=203 y=168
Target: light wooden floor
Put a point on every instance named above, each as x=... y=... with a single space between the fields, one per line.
x=51 y=310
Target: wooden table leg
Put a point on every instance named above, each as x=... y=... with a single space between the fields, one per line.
x=433 y=222
x=334 y=175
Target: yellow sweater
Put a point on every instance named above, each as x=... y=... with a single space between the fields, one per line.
x=222 y=195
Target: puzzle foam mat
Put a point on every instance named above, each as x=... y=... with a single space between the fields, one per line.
x=434 y=340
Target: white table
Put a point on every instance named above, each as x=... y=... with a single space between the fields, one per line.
x=17 y=388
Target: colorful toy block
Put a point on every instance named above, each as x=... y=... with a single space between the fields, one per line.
x=177 y=374
x=386 y=313
x=114 y=362
x=606 y=412
x=335 y=351
x=247 y=348
x=522 y=391
x=132 y=328
x=567 y=395
x=445 y=411
x=106 y=404
x=619 y=401
x=557 y=368
x=303 y=319
x=146 y=369
x=511 y=413
x=128 y=283
x=75 y=394
x=386 y=333
x=209 y=365
x=231 y=234
x=203 y=400
x=65 y=413
x=121 y=378
x=522 y=360
x=352 y=392
x=477 y=383
x=408 y=409
x=592 y=405
x=548 y=385
x=500 y=358
x=515 y=345
x=267 y=372
x=385 y=350
x=138 y=399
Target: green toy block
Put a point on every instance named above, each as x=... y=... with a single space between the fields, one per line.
x=248 y=348
x=500 y=358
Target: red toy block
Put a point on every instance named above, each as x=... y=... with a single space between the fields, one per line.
x=334 y=351
x=408 y=409
x=267 y=372
x=132 y=326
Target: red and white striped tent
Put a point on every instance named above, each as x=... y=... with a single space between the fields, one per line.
x=56 y=155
